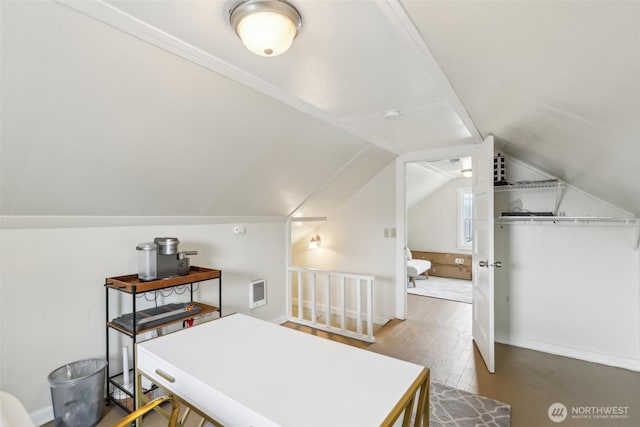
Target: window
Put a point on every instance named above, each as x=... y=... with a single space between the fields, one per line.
x=465 y=218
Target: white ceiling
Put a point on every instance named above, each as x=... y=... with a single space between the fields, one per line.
x=424 y=178
x=421 y=182
x=156 y=108
x=557 y=82
x=351 y=62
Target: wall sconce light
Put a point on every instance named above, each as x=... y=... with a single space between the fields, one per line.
x=314 y=243
x=466 y=167
x=266 y=27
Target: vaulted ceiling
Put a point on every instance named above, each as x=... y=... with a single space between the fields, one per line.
x=154 y=108
x=558 y=82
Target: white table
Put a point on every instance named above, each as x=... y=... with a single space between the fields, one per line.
x=241 y=371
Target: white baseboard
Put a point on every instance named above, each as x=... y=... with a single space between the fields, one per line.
x=574 y=353
x=279 y=320
x=351 y=314
x=42 y=416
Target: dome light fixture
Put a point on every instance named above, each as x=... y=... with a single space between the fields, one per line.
x=266 y=27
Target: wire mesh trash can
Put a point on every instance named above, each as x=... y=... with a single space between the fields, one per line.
x=77 y=393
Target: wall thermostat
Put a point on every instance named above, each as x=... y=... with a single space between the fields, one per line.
x=257 y=293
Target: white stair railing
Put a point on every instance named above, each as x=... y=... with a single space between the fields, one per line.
x=331 y=301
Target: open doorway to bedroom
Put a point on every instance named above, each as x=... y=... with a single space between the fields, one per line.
x=439 y=208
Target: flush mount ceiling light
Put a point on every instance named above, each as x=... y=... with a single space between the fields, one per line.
x=266 y=27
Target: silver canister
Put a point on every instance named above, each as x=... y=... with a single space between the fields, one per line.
x=167 y=245
x=147 y=264
x=183 y=262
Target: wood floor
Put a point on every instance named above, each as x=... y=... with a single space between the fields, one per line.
x=437 y=334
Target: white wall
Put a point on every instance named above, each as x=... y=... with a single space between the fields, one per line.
x=353 y=240
x=567 y=289
x=52 y=310
x=432 y=223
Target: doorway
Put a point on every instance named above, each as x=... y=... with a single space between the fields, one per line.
x=439 y=228
x=404 y=197
x=483 y=239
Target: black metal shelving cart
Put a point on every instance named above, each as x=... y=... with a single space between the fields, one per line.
x=130 y=284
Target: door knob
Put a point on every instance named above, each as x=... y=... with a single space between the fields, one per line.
x=496 y=264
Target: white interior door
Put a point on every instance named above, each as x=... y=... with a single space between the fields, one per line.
x=483 y=262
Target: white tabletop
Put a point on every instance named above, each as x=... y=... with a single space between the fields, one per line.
x=245 y=371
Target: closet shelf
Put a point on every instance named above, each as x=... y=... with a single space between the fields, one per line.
x=533 y=185
x=577 y=220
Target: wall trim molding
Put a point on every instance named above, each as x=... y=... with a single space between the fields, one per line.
x=42 y=416
x=279 y=320
x=37 y=221
x=572 y=352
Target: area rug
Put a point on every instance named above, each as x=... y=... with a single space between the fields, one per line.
x=444 y=288
x=451 y=407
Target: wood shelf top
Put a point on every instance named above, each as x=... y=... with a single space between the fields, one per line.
x=204 y=310
x=132 y=284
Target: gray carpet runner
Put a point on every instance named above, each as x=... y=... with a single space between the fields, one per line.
x=451 y=407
